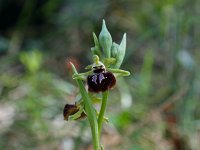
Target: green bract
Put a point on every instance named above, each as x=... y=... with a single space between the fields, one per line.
x=96 y=49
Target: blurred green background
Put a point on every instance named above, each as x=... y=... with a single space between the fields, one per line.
x=156 y=108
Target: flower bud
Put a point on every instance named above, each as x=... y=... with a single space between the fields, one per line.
x=105 y=40
x=118 y=52
x=114 y=50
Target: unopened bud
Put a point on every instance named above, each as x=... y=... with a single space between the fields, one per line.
x=114 y=50
x=118 y=52
x=105 y=40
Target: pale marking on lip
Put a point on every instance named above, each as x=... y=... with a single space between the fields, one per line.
x=101 y=77
x=94 y=79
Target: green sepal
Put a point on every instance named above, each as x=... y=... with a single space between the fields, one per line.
x=88 y=67
x=119 y=72
x=77 y=115
x=109 y=61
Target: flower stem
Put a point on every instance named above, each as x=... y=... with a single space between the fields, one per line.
x=102 y=111
x=91 y=114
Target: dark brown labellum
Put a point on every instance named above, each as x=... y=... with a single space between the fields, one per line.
x=100 y=81
x=71 y=109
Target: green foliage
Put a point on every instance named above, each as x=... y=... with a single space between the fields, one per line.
x=122 y=119
x=31 y=60
x=145 y=75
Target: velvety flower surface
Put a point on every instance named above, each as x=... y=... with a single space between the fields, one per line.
x=100 y=81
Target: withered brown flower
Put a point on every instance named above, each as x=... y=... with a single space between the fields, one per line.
x=71 y=109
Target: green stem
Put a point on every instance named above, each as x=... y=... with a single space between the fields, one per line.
x=90 y=112
x=102 y=111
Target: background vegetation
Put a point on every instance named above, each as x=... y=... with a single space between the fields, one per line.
x=156 y=108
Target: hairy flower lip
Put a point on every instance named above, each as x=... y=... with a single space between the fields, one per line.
x=101 y=81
